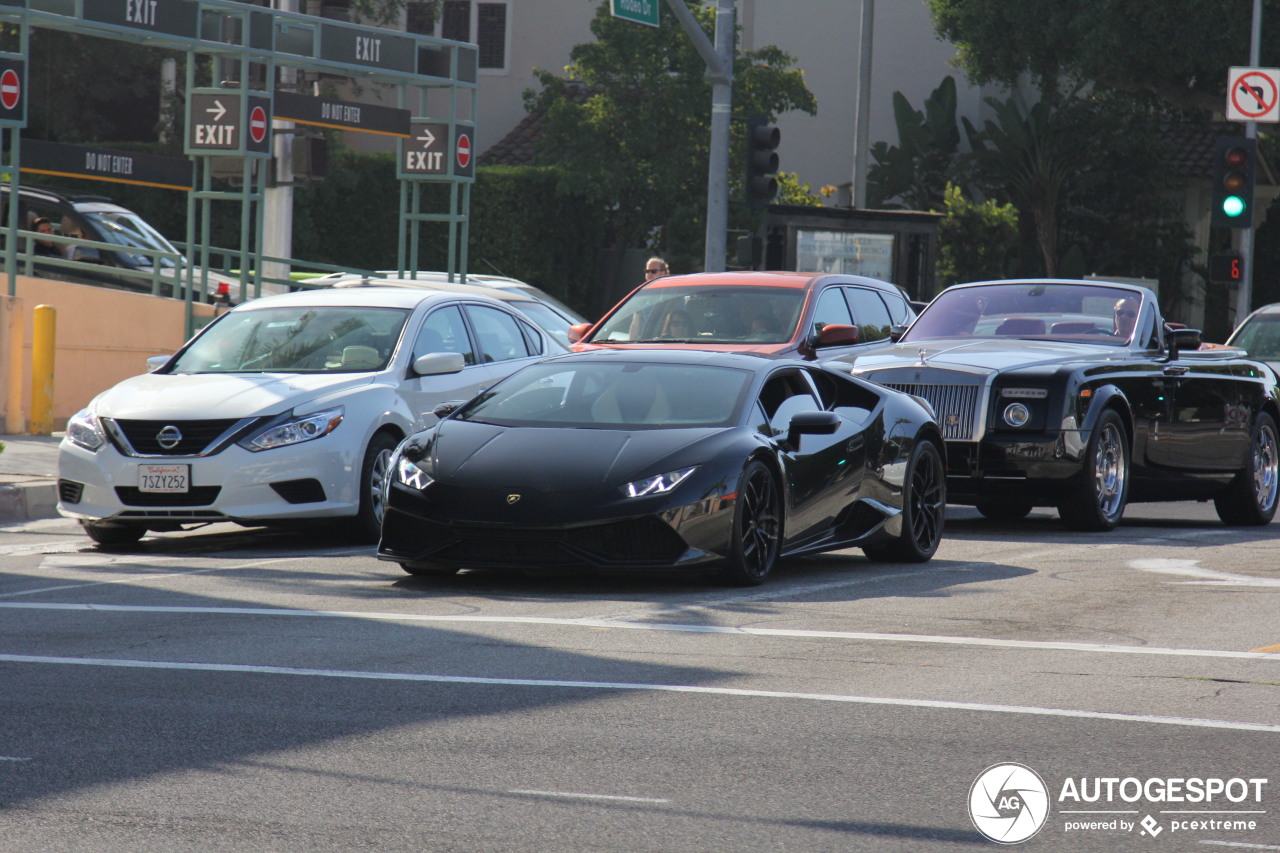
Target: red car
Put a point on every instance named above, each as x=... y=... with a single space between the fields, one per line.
x=802 y=314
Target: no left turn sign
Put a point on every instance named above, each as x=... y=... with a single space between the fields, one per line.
x=1253 y=94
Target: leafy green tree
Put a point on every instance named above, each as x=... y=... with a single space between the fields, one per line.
x=1084 y=173
x=1176 y=51
x=629 y=126
x=977 y=240
x=913 y=173
x=792 y=190
x=83 y=89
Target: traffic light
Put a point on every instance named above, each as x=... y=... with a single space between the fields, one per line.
x=1235 y=162
x=762 y=162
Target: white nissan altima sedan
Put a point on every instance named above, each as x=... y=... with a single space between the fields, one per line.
x=286 y=409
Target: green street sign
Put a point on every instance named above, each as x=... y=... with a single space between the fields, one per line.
x=640 y=11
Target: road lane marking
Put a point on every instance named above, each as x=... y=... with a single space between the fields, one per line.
x=1275 y=648
x=13 y=758
x=1192 y=569
x=67 y=546
x=142 y=576
x=591 y=622
x=547 y=683
x=572 y=796
x=1242 y=845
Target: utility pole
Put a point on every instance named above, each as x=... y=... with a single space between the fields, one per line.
x=719 y=59
x=1244 y=292
x=862 y=117
x=277 y=198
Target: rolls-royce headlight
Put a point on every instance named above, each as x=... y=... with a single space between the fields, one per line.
x=658 y=485
x=1016 y=414
x=84 y=429
x=295 y=430
x=409 y=474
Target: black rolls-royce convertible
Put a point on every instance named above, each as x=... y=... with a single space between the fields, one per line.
x=1080 y=395
x=667 y=461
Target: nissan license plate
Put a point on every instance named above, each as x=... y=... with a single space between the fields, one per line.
x=168 y=479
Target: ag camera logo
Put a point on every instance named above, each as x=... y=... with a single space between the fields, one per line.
x=1008 y=803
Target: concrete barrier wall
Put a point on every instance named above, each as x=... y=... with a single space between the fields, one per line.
x=103 y=336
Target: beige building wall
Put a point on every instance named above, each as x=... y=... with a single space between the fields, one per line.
x=102 y=337
x=823 y=36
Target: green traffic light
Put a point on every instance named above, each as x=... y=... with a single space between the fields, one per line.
x=1233 y=205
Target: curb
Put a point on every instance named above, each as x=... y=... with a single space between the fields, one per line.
x=29 y=500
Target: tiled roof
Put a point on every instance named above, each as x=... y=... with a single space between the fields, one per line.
x=1190 y=149
x=519 y=146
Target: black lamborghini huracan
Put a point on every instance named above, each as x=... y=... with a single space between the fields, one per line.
x=677 y=461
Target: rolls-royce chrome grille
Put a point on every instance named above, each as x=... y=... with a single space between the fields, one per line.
x=955 y=406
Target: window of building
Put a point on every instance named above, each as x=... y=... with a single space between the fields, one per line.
x=482 y=24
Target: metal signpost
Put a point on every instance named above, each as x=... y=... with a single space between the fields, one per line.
x=232 y=54
x=1246 y=90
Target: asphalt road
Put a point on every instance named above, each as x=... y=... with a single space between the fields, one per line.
x=233 y=690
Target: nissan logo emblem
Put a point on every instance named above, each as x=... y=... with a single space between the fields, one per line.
x=169 y=437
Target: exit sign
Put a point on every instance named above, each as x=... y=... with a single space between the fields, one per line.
x=640 y=11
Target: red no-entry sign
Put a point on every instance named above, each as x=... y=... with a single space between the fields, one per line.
x=257 y=124
x=10 y=89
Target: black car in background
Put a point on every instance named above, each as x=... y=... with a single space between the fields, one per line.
x=1079 y=395
x=135 y=249
x=673 y=461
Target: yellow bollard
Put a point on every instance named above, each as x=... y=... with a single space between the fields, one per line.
x=43 y=338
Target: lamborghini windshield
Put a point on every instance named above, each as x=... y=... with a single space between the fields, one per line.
x=613 y=396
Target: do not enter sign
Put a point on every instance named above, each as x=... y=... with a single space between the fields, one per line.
x=13 y=106
x=463 y=161
x=10 y=89
x=258 y=124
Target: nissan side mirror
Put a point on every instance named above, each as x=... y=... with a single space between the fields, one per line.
x=578 y=331
x=438 y=363
x=155 y=362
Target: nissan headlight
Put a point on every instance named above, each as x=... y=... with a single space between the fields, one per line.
x=295 y=430
x=85 y=430
x=658 y=485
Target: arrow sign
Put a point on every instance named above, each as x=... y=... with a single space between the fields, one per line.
x=217 y=110
x=424 y=152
